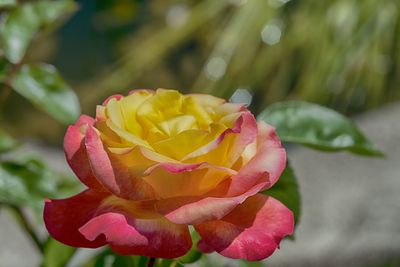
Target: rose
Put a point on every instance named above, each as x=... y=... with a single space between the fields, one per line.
x=155 y=162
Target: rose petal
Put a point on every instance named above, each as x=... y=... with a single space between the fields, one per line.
x=174 y=180
x=112 y=173
x=134 y=91
x=195 y=210
x=206 y=100
x=269 y=158
x=134 y=230
x=163 y=105
x=203 y=247
x=92 y=219
x=228 y=146
x=64 y=217
x=252 y=231
x=116 y=97
x=129 y=106
x=76 y=154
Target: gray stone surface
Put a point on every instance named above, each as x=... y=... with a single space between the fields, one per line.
x=350 y=205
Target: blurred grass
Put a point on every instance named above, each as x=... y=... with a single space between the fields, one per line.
x=339 y=53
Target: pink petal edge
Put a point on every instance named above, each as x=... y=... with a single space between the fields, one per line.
x=252 y=231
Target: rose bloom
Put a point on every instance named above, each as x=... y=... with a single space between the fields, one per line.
x=156 y=162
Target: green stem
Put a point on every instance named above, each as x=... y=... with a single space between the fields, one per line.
x=23 y=221
x=151 y=262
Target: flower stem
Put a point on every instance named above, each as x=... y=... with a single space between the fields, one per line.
x=151 y=262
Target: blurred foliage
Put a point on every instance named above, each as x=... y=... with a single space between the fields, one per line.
x=26 y=182
x=6 y=141
x=44 y=86
x=339 y=53
x=56 y=254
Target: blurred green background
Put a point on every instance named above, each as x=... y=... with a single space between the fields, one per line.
x=339 y=53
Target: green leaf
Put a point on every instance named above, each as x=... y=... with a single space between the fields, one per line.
x=167 y=263
x=7 y=3
x=109 y=259
x=6 y=142
x=56 y=254
x=44 y=86
x=25 y=20
x=25 y=183
x=317 y=127
x=286 y=190
x=4 y=67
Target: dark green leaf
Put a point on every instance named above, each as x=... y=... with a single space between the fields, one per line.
x=4 y=67
x=6 y=142
x=24 y=21
x=25 y=183
x=56 y=254
x=286 y=190
x=317 y=127
x=44 y=86
x=7 y=3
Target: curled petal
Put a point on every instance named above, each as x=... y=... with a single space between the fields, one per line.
x=76 y=154
x=195 y=210
x=228 y=146
x=112 y=173
x=134 y=91
x=155 y=238
x=64 y=217
x=130 y=229
x=206 y=100
x=269 y=157
x=172 y=167
x=252 y=231
x=116 y=97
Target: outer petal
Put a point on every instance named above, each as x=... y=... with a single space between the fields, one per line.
x=269 y=158
x=112 y=173
x=195 y=210
x=76 y=154
x=252 y=231
x=92 y=219
x=64 y=217
x=134 y=230
x=130 y=236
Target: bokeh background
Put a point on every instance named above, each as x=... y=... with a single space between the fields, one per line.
x=344 y=54
x=340 y=53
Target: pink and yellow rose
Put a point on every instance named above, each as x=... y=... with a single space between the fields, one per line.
x=156 y=162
